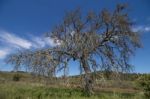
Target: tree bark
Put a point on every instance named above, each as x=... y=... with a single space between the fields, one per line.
x=87 y=78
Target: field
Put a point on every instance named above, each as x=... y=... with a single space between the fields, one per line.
x=29 y=87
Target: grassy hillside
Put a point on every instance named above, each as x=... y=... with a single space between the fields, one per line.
x=33 y=91
x=39 y=87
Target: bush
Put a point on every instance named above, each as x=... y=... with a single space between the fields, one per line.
x=144 y=83
x=16 y=77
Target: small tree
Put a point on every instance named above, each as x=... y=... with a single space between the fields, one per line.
x=99 y=41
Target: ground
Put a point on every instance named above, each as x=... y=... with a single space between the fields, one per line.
x=29 y=87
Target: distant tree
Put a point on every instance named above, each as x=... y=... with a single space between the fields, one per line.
x=99 y=41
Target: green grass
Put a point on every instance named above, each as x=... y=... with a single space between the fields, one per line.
x=22 y=90
x=30 y=87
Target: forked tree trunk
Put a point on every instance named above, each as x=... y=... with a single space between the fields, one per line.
x=87 y=78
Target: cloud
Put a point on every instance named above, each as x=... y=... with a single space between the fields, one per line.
x=147 y=29
x=3 y=53
x=141 y=28
x=10 y=42
x=37 y=42
x=15 y=40
x=40 y=42
x=51 y=41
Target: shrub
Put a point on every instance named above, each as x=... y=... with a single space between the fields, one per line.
x=16 y=77
x=144 y=83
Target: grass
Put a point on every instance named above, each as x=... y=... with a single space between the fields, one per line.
x=22 y=90
x=30 y=87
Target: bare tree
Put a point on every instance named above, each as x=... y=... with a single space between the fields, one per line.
x=99 y=41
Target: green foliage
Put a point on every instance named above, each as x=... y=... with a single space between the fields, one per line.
x=144 y=83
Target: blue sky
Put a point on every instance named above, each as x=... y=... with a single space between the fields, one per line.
x=24 y=22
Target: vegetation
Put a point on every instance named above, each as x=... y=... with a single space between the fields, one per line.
x=144 y=83
x=98 y=41
x=16 y=77
x=31 y=87
x=25 y=89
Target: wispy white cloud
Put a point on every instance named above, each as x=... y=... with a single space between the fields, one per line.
x=51 y=41
x=40 y=42
x=15 y=40
x=141 y=28
x=10 y=42
x=147 y=29
x=37 y=42
x=4 y=53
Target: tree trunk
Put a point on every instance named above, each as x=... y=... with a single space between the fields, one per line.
x=87 y=78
